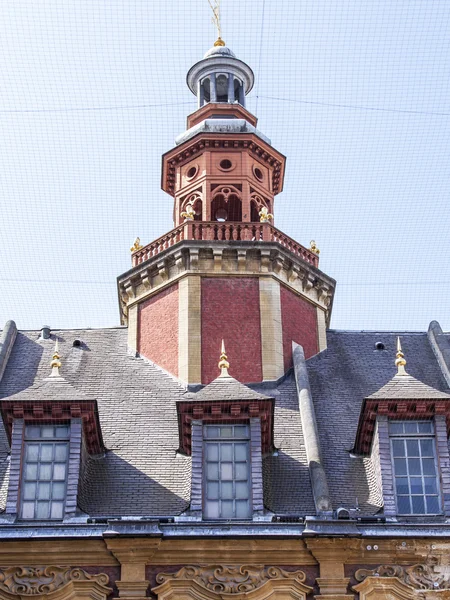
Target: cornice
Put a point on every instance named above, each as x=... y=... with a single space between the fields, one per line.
x=61 y=551
x=225 y=259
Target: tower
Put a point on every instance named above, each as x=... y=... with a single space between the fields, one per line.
x=224 y=271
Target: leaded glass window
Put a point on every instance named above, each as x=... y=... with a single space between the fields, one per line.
x=44 y=472
x=413 y=449
x=227 y=489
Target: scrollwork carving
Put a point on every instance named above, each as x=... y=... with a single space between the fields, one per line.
x=420 y=577
x=228 y=579
x=36 y=581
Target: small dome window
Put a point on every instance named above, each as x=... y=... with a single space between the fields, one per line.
x=258 y=173
x=379 y=346
x=191 y=172
x=225 y=164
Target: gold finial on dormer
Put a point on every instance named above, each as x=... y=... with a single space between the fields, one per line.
x=264 y=215
x=189 y=213
x=56 y=363
x=224 y=365
x=313 y=247
x=215 y=7
x=400 y=361
x=137 y=245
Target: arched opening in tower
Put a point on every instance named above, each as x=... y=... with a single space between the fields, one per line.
x=226 y=208
x=254 y=212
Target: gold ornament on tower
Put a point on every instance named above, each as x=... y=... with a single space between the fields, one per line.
x=189 y=213
x=400 y=361
x=137 y=245
x=313 y=247
x=264 y=215
x=224 y=365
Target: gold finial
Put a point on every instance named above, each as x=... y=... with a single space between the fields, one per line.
x=264 y=215
x=189 y=213
x=313 y=247
x=400 y=361
x=215 y=7
x=224 y=365
x=137 y=245
x=56 y=363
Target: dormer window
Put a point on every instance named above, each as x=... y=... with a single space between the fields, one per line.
x=44 y=472
x=226 y=452
x=413 y=449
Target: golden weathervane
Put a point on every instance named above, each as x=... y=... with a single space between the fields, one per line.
x=215 y=7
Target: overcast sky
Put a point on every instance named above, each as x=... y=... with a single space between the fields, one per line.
x=356 y=94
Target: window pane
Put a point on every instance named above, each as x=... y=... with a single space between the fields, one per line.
x=416 y=485
x=226 y=432
x=58 y=491
x=32 y=431
x=31 y=471
x=404 y=505
x=211 y=510
x=241 y=489
x=395 y=427
x=402 y=485
x=27 y=510
x=44 y=491
x=428 y=466
x=32 y=454
x=62 y=431
x=432 y=504
x=45 y=472
x=212 y=490
x=430 y=485
x=43 y=511
x=227 y=490
x=226 y=452
x=241 y=431
x=240 y=452
x=241 y=471
x=212 y=432
x=418 y=505
x=212 y=452
x=425 y=427
x=398 y=447
x=226 y=471
x=56 y=510
x=426 y=447
x=29 y=491
x=59 y=472
x=212 y=471
x=61 y=452
x=412 y=447
x=47 y=431
x=46 y=452
x=410 y=427
x=400 y=466
x=227 y=509
x=242 y=509
x=414 y=466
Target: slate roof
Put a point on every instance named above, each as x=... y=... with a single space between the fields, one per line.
x=405 y=387
x=142 y=475
x=226 y=388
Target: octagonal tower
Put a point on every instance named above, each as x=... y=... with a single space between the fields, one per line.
x=224 y=271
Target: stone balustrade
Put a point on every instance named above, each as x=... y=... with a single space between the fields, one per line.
x=215 y=231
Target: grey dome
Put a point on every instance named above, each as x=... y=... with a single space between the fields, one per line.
x=220 y=51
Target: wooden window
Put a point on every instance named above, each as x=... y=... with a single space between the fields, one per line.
x=413 y=451
x=44 y=471
x=227 y=472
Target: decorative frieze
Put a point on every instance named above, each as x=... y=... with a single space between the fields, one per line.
x=420 y=576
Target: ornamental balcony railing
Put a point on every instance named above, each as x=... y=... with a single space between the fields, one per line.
x=214 y=231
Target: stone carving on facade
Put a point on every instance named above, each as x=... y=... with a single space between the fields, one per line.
x=422 y=578
x=231 y=579
x=49 y=581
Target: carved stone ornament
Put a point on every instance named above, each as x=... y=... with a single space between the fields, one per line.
x=54 y=582
x=226 y=580
x=422 y=578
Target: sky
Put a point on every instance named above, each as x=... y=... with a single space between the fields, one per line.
x=356 y=94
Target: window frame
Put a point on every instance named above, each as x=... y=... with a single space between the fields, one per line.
x=29 y=440
x=247 y=439
x=404 y=436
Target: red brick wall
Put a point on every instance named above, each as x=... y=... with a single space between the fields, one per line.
x=158 y=329
x=230 y=310
x=299 y=322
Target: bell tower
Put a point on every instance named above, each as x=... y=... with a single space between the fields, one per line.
x=224 y=271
